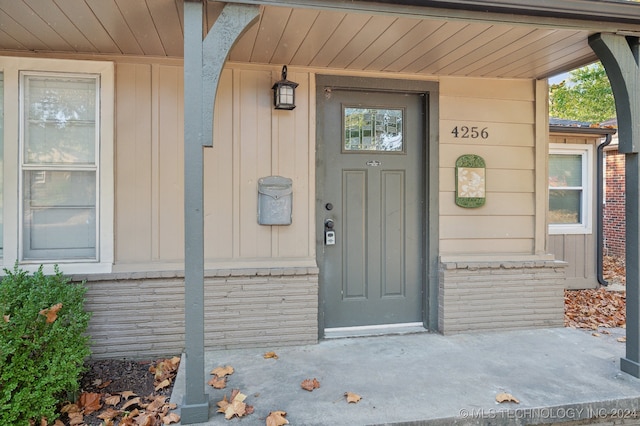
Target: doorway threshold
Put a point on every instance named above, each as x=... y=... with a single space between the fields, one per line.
x=374 y=330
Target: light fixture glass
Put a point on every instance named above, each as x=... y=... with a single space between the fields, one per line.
x=284 y=92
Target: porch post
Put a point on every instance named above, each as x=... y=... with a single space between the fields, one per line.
x=620 y=56
x=203 y=62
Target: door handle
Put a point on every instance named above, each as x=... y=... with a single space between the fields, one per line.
x=329 y=233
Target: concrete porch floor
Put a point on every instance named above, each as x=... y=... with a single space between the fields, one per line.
x=559 y=375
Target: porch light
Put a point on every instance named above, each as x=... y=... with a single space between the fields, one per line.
x=284 y=92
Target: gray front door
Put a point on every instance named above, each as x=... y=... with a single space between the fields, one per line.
x=371 y=196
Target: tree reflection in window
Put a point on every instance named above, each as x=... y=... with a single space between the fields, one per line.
x=372 y=129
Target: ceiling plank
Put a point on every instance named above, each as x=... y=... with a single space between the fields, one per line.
x=369 y=33
x=18 y=32
x=8 y=42
x=439 y=36
x=412 y=38
x=324 y=25
x=348 y=28
x=110 y=17
x=88 y=24
x=272 y=25
x=495 y=45
x=36 y=25
x=166 y=19
x=61 y=24
x=457 y=41
x=294 y=35
x=138 y=18
x=391 y=35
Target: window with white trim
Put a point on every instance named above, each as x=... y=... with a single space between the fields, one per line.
x=61 y=134
x=570 y=187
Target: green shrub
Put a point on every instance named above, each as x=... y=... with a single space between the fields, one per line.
x=41 y=356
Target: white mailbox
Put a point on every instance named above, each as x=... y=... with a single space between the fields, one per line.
x=275 y=196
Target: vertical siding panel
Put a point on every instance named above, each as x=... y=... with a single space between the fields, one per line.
x=218 y=176
x=293 y=159
x=170 y=164
x=255 y=159
x=133 y=159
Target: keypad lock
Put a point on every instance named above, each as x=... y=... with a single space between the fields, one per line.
x=329 y=233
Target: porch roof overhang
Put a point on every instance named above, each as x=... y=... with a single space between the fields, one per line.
x=497 y=38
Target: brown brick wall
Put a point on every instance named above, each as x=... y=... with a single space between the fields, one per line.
x=614 y=209
x=484 y=296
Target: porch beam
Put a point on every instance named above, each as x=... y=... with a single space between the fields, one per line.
x=201 y=76
x=620 y=56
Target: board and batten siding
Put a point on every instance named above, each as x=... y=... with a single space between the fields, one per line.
x=251 y=140
x=494 y=273
x=578 y=250
x=506 y=223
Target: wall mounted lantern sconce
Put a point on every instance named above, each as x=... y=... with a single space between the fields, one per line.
x=284 y=92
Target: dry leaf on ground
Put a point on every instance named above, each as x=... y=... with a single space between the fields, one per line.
x=352 y=397
x=506 y=397
x=310 y=384
x=234 y=406
x=277 y=418
x=594 y=308
x=218 y=382
x=89 y=402
x=622 y=339
x=170 y=418
x=270 y=355
x=220 y=372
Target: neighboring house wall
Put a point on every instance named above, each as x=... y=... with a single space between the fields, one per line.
x=614 y=207
x=579 y=249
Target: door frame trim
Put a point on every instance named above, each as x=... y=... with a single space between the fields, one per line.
x=431 y=237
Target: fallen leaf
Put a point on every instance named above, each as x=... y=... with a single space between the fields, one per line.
x=69 y=408
x=89 y=402
x=112 y=400
x=7 y=318
x=163 y=384
x=75 y=419
x=270 y=355
x=109 y=414
x=595 y=334
x=310 y=384
x=51 y=313
x=277 y=418
x=170 y=418
x=134 y=401
x=234 y=406
x=102 y=385
x=218 y=382
x=622 y=339
x=58 y=423
x=352 y=397
x=222 y=371
x=506 y=397
x=127 y=394
x=605 y=332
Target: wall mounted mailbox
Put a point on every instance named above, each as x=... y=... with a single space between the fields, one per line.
x=470 y=181
x=275 y=196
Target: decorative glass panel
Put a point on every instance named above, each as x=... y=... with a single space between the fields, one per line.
x=565 y=206
x=60 y=120
x=565 y=171
x=372 y=129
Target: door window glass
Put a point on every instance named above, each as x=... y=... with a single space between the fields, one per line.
x=373 y=129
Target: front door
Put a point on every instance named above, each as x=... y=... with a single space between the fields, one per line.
x=370 y=207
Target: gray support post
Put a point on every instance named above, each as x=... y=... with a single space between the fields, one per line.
x=195 y=407
x=203 y=63
x=620 y=56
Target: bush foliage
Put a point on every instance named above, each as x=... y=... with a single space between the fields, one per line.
x=43 y=344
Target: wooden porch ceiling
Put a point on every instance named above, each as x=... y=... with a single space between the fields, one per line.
x=307 y=37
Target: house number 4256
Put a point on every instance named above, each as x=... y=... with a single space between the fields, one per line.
x=466 y=132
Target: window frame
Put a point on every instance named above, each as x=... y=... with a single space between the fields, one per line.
x=586 y=200
x=12 y=69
